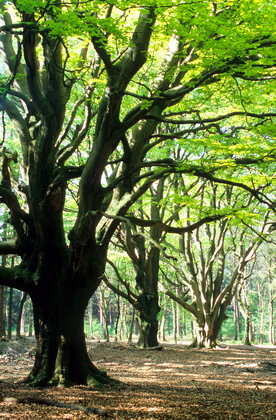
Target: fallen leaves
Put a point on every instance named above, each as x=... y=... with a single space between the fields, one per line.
x=174 y=384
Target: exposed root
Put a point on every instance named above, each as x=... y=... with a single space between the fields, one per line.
x=158 y=348
x=50 y=402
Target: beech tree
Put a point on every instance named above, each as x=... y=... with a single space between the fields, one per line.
x=143 y=248
x=86 y=88
x=212 y=259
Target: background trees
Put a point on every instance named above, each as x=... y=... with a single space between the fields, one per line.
x=92 y=97
x=213 y=268
x=143 y=247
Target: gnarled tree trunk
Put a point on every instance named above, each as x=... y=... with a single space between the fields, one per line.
x=147 y=320
x=207 y=333
x=61 y=355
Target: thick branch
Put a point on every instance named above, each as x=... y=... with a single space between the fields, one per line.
x=259 y=195
x=102 y=52
x=11 y=26
x=32 y=65
x=129 y=296
x=79 y=134
x=189 y=307
x=130 y=220
x=17 y=278
x=19 y=124
x=69 y=125
x=11 y=246
x=136 y=54
x=210 y=120
x=193 y=130
x=11 y=201
x=11 y=57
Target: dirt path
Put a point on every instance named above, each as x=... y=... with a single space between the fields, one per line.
x=176 y=383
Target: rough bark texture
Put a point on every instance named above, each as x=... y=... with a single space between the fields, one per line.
x=61 y=357
x=147 y=320
x=66 y=125
x=61 y=277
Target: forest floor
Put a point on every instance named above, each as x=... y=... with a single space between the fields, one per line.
x=177 y=383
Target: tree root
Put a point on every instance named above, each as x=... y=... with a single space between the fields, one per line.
x=160 y=347
x=47 y=401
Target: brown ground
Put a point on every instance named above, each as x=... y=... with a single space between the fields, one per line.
x=176 y=383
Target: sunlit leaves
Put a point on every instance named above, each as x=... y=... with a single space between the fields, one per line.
x=222 y=55
x=33 y=6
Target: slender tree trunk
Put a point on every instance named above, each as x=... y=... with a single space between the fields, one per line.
x=30 y=334
x=122 y=329
x=271 y=317
x=131 y=328
x=20 y=313
x=29 y=316
x=184 y=325
x=105 y=316
x=2 y=312
x=2 y=302
x=162 y=326
x=90 y=317
x=247 y=333
x=175 y=322
x=10 y=312
x=261 y=310
x=169 y=319
x=244 y=306
x=10 y=307
x=237 y=326
x=117 y=317
x=162 y=334
x=193 y=329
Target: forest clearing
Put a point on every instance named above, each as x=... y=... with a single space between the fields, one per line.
x=228 y=382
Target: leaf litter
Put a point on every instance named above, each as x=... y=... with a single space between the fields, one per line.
x=177 y=383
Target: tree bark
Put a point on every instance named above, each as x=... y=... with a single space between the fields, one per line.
x=41 y=74
x=61 y=354
x=271 y=315
x=148 y=330
x=237 y=323
x=2 y=301
x=10 y=313
x=207 y=334
x=20 y=313
x=131 y=327
x=2 y=312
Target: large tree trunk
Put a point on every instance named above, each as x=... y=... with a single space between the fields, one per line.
x=147 y=320
x=64 y=281
x=147 y=333
x=61 y=354
x=206 y=336
x=208 y=329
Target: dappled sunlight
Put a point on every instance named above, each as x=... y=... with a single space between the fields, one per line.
x=176 y=383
